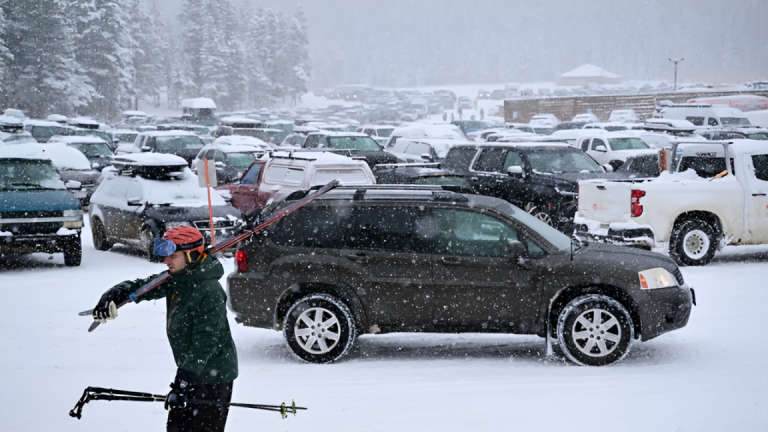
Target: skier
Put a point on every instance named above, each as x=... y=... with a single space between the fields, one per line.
x=197 y=328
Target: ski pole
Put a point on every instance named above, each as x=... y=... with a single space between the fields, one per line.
x=224 y=245
x=98 y=393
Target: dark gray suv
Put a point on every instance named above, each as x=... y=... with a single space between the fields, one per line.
x=382 y=259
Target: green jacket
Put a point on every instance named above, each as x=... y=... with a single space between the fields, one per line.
x=196 y=320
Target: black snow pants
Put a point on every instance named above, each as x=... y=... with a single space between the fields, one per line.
x=194 y=418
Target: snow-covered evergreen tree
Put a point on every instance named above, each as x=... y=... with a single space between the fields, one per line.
x=43 y=76
x=152 y=56
x=5 y=56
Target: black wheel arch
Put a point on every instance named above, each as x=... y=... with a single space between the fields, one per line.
x=705 y=216
x=302 y=289
x=564 y=296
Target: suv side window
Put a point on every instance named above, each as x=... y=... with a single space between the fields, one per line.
x=284 y=175
x=459 y=158
x=310 y=141
x=760 y=162
x=585 y=144
x=395 y=229
x=713 y=122
x=314 y=227
x=512 y=159
x=464 y=232
x=597 y=142
x=219 y=157
x=697 y=121
x=251 y=177
x=490 y=160
x=419 y=149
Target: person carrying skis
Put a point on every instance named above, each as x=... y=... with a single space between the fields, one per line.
x=197 y=328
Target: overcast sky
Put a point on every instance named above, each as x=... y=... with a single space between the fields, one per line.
x=433 y=42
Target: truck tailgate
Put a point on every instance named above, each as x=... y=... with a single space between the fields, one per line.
x=605 y=201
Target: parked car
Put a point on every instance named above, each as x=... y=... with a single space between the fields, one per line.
x=98 y=133
x=623 y=115
x=705 y=115
x=230 y=160
x=483 y=94
x=180 y=143
x=585 y=118
x=544 y=120
x=272 y=179
x=609 y=126
x=381 y=259
x=465 y=102
x=540 y=178
x=38 y=212
x=421 y=174
x=73 y=165
x=716 y=134
x=468 y=126
x=424 y=149
x=94 y=148
x=612 y=148
x=349 y=144
x=43 y=130
x=122 y=136
x=380 y=133
x=143 y=195
x=690 y=216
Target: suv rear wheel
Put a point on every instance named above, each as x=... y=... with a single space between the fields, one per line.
x=319 y=328
x=99 y=234
x=594 y=330
x=693 y=242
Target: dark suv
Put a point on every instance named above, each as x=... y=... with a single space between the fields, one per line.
x=541 y=178
x=381 y=259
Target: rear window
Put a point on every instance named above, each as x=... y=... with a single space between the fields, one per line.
x=284 y=175
x=627 y=144
x=93 y=149
x=240 y=160
x=761 y=166
x=706 y=167
x=353 y=176
x=731 y=121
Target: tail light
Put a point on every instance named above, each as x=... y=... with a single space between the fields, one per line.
x=241 y=261
x=636 y=208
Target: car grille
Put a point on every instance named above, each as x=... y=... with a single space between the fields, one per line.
x=30 y=214
x=678 y=275
x=204 y=225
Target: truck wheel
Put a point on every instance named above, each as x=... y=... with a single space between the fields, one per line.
x=539 y=212
x=594 y=330
x=99 y=234
x=692 y=243
x=319 y=328
x=73 y=252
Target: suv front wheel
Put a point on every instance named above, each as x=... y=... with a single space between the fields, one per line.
x=594 y=330
x=319 y=328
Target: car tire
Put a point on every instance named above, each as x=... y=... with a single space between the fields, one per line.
x=337 y=329
x=99 y=234
x=692 y=243
x=581 y=337
x=148 y=245
x=540 y=213
x=73 y=252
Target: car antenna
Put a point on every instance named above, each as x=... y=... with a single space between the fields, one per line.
x=571 y=248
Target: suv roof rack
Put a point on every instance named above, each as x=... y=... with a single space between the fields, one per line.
x=408 y=165
x=439 y=192
x=273 y=155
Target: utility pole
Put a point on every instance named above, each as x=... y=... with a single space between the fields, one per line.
x=676 y=62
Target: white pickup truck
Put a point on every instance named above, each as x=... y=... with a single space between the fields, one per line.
x=689 y=215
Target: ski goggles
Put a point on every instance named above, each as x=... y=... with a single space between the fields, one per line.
x=164 y=247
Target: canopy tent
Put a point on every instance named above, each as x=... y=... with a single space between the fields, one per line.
x=586 y=74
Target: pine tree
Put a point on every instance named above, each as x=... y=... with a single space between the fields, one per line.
x=43 y=75
x=5 y=57
x=151 y=56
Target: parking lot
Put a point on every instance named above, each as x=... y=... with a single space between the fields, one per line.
x=708 y=376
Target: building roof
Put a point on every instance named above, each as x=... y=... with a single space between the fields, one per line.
x=588 y=70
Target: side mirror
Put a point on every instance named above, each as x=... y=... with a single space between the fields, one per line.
x=516 y=250
x=608 y=168
x=426 y=157
x=220 y=165
x=73 y=184
x=600 y=148
x=95 y=165
x=516 y=171
x=227 y=195
x=134 y=202
x=146 y=148
x=116 y=141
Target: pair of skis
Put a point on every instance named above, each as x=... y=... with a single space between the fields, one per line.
x=98 y=393
x=224 y=245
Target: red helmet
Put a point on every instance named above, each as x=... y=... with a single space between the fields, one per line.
x=186 y=238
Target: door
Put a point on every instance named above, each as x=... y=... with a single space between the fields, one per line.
x=477 y=286
x=386 y=260
x=493 y=179
x=600 y=156
x=244 y=194
x=113 y=208
x=757 y=195
x=487 y=171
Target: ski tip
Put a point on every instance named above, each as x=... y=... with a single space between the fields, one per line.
x=93 y=326
x=86 y=313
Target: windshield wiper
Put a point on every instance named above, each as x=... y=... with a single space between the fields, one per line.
x=34 y=185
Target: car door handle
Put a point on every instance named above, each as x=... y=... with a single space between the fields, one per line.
x=450 y=261
x=758 y=194
x=358 y=257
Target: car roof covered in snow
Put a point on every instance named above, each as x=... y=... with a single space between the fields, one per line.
x=317 y=157
x=36 y=122
x=240 y=140
x=198 y=103
x=77 y=139
x=227 y=148
x=150 y=159
x=157 y=133
x=63 y=157
x=338 y=134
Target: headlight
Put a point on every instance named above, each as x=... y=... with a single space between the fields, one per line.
x=656 y=278
x=169 y=225
x=68 y=213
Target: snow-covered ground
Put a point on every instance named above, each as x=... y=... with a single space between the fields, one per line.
x=709 y=376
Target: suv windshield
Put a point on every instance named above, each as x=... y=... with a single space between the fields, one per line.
x=29 y=174
x=93 y=149
x=364 y=143
x=86 y=132
x=730 y=121
x=169 y=144
x=627 y=144
x=126 y=137
x=46 y=131
x=562 y=162
x=384 y=132
x=277 y=136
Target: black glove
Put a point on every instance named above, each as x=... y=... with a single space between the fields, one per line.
x=106 y=308
x=181 y=389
